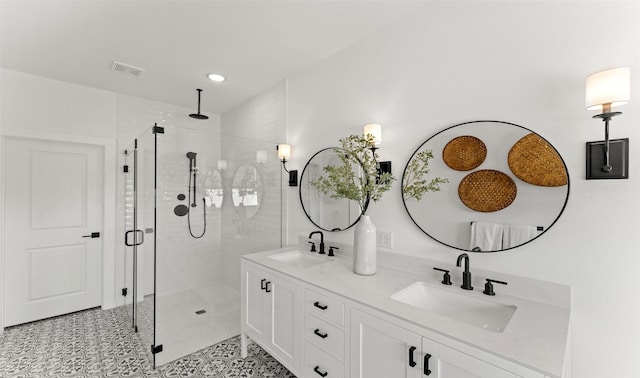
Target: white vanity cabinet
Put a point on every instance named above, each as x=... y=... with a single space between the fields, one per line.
x=272 y=314
x=381 y=349
x=324 y=321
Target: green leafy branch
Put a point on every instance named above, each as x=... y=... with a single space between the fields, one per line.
x=356 y=178
x=414 y=185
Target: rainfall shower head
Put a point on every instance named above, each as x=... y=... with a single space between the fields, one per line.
x=198 y=115
x=191 y=155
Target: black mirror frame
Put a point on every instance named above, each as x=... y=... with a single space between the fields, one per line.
x=302 y=203
x=470 y=122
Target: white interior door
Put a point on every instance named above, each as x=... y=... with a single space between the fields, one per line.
x=53 y=201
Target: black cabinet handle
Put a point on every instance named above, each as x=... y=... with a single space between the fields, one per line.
x=262 y=287
x=266 y=287
x=412 y=363
x=320 y=373
x=321 y=307
x=426 y=364
x=318 y=333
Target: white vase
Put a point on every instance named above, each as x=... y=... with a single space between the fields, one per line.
x=364 y=247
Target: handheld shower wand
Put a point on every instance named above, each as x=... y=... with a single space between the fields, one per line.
x=193 y=171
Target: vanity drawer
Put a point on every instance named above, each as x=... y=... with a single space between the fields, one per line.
x=324 y=307
x=324 y=335
x=318 y=364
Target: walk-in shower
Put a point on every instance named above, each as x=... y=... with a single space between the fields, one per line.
x=182 y=292
x=173 y=287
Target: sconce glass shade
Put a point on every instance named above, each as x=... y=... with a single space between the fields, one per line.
x=284 y=151
x=375 y=130
x=261 y=156
x=222 y=164
x=608 y=87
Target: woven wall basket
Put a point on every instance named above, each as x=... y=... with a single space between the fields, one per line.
x=487 y=190
x=536 y=162
x=464 y=153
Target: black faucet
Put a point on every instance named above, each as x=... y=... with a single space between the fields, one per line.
x=321 y=251
x=466 y=275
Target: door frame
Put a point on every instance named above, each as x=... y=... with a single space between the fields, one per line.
x=109 y=167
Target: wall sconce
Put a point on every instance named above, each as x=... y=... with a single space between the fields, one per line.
x=375 y=130
x=222 y=165
x=261 y=156
x=284 y=153
x=608 y=159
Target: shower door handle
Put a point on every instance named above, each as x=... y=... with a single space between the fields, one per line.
x=135 y=242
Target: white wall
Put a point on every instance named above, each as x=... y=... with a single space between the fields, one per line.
x=37 y=103
x=37 y=107
x=519 y=62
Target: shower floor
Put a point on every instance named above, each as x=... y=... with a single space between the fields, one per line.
x=181 y=326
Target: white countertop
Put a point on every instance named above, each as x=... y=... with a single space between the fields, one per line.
x=535 y=337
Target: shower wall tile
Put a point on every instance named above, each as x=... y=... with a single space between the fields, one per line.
x=183 y=262
x=263 y=117
x=258 y=124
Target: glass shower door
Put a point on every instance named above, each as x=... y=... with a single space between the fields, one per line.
x=129 y=229
x=140 y=246
x=146 y=252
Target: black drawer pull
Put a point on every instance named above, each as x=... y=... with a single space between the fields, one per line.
x=262 y=281
x=426 y=364
x=266 y=287
x=412 y=363
x=318 y=333
x=321 y=307
x=320 y=373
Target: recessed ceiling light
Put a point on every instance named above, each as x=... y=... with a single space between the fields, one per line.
x=215 y=77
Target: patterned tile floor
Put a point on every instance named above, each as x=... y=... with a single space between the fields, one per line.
x=98 y=344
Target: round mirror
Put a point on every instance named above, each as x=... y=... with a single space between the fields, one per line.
x=506 y=185
x=246 y=191
x=323 y=211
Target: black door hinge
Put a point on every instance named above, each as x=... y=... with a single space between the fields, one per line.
x=125 y=168
x=155 y=349
x=124 y=291
x=158 y=129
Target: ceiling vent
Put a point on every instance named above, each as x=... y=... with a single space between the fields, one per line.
x=121 y=67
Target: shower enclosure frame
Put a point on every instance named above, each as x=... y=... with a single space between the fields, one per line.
x=139 y=240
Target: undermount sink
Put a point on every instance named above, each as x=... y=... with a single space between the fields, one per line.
x=462 y=307
x=298 y=259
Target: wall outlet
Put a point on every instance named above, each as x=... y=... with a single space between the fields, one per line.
x=384 y=239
